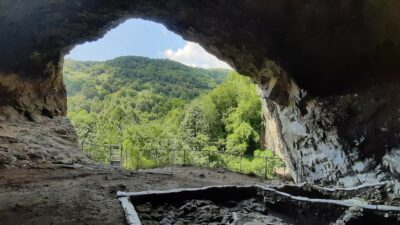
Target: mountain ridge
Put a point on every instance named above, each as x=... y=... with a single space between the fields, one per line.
x=163 y=76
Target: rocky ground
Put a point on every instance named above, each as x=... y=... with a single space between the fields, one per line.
x=198 y=212
x=250 y=205
x=59 y=194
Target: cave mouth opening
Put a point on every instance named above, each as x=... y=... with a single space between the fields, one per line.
x=172 y=103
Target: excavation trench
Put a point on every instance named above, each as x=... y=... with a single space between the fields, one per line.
x=249 y=205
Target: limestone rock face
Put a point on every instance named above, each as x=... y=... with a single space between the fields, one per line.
x=344 y=139
x=328 y=71
x=40 y=140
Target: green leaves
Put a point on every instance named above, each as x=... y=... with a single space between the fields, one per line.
x=162 y=113
x=239 y=141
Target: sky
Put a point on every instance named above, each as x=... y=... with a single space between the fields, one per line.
x=145 y=38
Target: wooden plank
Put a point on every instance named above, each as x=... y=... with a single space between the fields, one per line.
x=178 y=190
x=154 y=172
x=131 y=215
x=345 y=202
x=366 y=185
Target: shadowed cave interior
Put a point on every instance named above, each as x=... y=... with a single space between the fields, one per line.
x=327 y=74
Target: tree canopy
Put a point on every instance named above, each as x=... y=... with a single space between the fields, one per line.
x=162 y=107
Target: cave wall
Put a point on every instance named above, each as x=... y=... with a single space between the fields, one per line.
x=346 y=139
x=327 y=70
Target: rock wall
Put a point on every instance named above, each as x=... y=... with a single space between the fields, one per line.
x=344 y=140
x=29 y=142
x=44 y=95
x=328 y=70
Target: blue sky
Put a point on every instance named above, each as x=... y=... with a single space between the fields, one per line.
x=145 y=38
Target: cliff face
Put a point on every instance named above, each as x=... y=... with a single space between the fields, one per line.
x=328 y=70
x=345 y=139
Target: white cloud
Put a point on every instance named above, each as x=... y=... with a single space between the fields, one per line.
x=194 y=55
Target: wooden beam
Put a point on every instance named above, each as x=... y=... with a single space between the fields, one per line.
x=131 y=215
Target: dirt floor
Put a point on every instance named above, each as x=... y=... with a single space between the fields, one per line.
x=53 y=194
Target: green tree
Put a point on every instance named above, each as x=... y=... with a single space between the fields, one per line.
x=195 y=128
x=158 y=108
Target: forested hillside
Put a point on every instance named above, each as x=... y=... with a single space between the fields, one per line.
x=149 y=105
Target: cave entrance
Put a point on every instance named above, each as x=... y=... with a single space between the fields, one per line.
x=163 y=101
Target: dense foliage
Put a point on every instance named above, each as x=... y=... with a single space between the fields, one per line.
x=163 y=112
